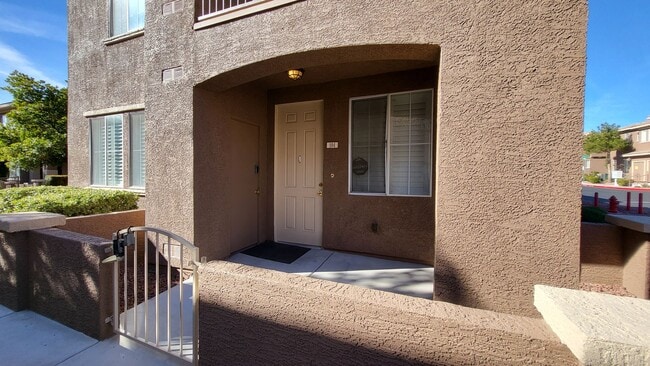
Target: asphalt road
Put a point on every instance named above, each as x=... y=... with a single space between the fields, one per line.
x=621 y=194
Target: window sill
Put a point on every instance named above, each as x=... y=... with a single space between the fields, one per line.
x=124 y=37
x=139 y=191
x=209 y=20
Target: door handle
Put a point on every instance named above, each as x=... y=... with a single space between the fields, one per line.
x=257 y=191
x=320 y=193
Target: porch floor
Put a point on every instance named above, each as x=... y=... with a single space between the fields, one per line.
x=404 y=278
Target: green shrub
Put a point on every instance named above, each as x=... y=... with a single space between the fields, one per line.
x=593 y=214
x=592 y=177
x=56 y=180
x=68 y=201
x=624 y=182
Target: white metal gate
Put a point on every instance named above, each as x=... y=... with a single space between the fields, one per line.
x=169 y=320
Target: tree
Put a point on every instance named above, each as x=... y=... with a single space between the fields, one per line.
x=35 y=133
x=605 y=140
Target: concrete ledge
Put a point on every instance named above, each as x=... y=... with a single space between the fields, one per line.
x=637 y=223
x=23 y=221
x=599 y=329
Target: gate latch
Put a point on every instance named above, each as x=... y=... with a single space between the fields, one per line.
x=120 y=241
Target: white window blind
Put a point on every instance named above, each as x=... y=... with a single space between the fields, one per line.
x=368 y=144
x=126 y=16
x=403 y=165
x=410 y=143
x=137 y=150
x=107 y=151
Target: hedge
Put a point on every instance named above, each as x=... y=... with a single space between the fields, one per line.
x=68 y=201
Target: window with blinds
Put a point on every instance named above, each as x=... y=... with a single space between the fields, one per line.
x=136 y=150
x=107 y=152
x=126 y=16
x=391 y=138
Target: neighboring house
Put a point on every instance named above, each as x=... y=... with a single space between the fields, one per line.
x=637 y=162
x=422 y=130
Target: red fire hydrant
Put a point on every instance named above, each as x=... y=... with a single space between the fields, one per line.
x=613 y=204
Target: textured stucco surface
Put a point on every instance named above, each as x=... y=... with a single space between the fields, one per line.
x=58 y=274
x=326 y=323
x=636 y=273
x=14 y=259
x=104 y=225
x=510 y=100
x=600 y=329
x=601 y=254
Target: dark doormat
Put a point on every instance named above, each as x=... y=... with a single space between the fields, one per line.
x=277 y=252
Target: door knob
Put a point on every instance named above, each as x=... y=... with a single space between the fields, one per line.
x=320 y=193
x=257 y=191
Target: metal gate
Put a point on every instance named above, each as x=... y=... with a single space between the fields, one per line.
x=168 y=320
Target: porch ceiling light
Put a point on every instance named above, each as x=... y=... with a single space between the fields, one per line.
x=295 y=74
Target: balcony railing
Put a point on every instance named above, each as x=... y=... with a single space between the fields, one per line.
x=217 y=11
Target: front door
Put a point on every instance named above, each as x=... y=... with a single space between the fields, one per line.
x=638 y=171
x=299 y=173
x=244 y=184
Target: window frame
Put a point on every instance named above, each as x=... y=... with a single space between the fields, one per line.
x=129 y=33
x=387 y=139
x=127 y=156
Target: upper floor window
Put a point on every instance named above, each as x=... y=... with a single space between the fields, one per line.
x=391 y=144
x=644 y=135
x=126 y=16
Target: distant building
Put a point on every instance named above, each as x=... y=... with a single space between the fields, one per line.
x=636 y=164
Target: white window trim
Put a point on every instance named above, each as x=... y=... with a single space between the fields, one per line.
x=238 y=11
x=387 y=147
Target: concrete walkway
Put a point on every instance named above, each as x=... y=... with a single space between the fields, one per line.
x=404 y=278
x=27 y=338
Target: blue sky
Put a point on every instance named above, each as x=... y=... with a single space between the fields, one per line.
x=33 y=40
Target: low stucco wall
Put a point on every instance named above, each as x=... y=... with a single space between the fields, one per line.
x=104 y=225
x=58 y=274
x=252 y=316
x=636 y=272
x=601 y=254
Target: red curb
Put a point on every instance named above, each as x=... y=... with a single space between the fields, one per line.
x=618 y=188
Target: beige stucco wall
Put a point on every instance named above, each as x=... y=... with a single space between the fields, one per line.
x=510 y=100
x=326 y=323
x=601 y=254
x=636 y=273
x=58 y=274
x=104 y=225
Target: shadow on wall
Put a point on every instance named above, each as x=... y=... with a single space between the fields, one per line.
x=59 y=279
x=232 y=338
x=449 y=288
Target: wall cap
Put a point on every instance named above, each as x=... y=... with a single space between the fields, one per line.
x=23 y=221
x=599 y=329
x=632 y=222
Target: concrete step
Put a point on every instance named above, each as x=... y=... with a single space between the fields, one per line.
x=599 y=329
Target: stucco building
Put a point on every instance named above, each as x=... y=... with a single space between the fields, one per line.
x=636 y=163
x=442 y=132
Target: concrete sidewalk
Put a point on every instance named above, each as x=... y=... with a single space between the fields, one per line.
x=28 y=338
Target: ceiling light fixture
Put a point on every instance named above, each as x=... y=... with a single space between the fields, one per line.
x=295 y=74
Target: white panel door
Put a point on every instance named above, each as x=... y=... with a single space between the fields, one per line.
x=299 y=173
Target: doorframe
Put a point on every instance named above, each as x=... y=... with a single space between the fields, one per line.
x=276 y=156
